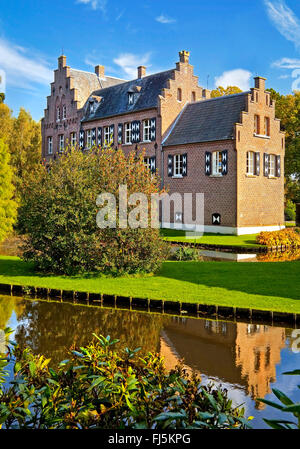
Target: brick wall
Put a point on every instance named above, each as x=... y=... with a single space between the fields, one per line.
x=219 y=192
x=62 y=93
x=260 y=199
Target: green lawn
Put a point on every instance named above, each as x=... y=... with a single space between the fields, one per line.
x=246 y=241
x=265 y=286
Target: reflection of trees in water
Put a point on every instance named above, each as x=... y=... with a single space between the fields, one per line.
x=50 y=328
x=8 y=305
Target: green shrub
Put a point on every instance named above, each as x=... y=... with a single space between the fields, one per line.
x=290 y=211
x=100 y=387
x=287 y=407
x=58 y=214
x=186 y=253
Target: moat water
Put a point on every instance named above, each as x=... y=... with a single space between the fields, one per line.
x=247 y=359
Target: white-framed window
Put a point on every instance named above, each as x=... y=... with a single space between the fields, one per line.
x=272 y=165
x=178 y=164
x=50 y=145
x=73 y=139
x=61 y=142
x=217 y=163
x=64 y=114
x=128 y=132
x=108 y=137
x=130 y=98
x=58 y=114
x=147 y=162
x=250 y=162
x=89 y=138
x=146 y=130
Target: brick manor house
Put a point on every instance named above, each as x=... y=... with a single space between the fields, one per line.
x=229 y=148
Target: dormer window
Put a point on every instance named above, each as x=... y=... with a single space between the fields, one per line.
x=130 y=98
x=92 y=108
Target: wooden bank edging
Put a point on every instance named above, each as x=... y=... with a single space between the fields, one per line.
x=185 y=309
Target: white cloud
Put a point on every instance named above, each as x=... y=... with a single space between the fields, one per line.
x=129 y=63
x=95 y=4
x=164 y=19
x=287 y=63
x=237 y=77
x=22 y=70
x=285 y=20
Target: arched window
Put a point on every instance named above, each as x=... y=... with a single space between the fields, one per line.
x=193 y=96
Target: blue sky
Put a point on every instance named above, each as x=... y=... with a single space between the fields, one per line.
x=230 y=41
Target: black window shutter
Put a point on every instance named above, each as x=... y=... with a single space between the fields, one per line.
x=170 y=165
x=208 y=163
x=224 y=162
x=133 y=131
x=112 y=133
x=93 y=137
x=184 y=164
x=138 y=131
x=99 y=136
x=278 y=166
x=153 y=129
x=257 y=164
x=153 y=164
x=120 y=133
x=81 y=139
x=266 y=164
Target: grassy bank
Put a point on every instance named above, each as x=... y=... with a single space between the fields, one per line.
x=265 y=286
x=246 y=241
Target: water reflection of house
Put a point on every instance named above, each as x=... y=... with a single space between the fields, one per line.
x=235 y=353
x=257 y=353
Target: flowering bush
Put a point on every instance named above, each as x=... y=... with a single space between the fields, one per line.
x=285 y=237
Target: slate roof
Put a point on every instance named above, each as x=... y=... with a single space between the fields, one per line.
x=115 y=99
x=208 y=120
x=87 y=82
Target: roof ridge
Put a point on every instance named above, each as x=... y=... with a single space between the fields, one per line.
x=221 y=97
x=92 y=73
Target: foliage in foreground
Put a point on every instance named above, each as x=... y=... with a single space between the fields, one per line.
x=58 y=214
x=99 y=387
x=287 y=407
x=286 y=237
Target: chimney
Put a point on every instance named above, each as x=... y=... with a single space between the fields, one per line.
x=260 y=83
x=141 y=71
x=184 y=56
x=99 y=70
x=62 y=61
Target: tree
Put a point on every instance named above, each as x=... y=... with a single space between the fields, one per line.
x=8 y=207
x=287 y=109
x=221 y=91
x=25 y=147
x=6 y=122
x=58 y=213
